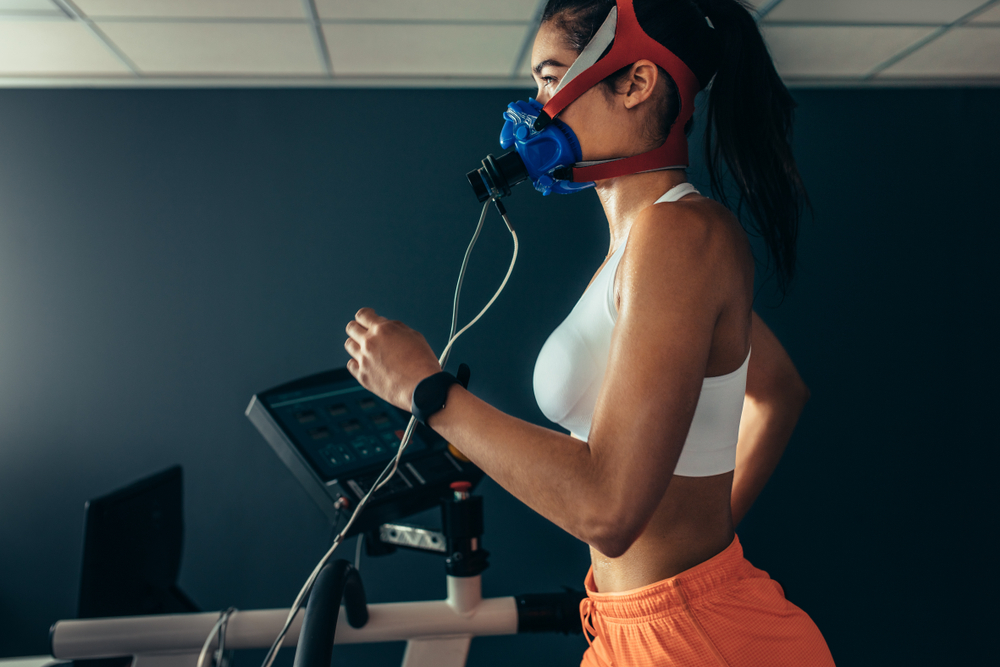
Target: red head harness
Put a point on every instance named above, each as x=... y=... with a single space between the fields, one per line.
x=631 y=44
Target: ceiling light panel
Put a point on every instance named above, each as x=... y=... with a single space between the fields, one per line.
x=872 y=11
x=423 y=50
x=204 y=9
x=428 y=10
x=991 y=15
x=836 y=51
x=968 y=52
x=217 y=48
x=52 y=48
x=28 y=7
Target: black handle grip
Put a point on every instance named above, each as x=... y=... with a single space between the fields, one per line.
x=337 y=581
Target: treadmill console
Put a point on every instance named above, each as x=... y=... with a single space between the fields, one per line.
x=336 y=437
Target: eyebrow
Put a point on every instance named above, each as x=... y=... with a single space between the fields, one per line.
x=537 y=69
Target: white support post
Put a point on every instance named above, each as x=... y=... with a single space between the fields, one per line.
x=438 y=652
x=465 y=594
x=166 y=660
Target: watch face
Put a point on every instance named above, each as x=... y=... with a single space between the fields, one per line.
x=431 y=394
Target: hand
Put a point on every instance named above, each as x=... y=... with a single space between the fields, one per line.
x=388 y=357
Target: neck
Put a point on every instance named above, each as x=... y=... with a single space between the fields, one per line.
x=625 y=196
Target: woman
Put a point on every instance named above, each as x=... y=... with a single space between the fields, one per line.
x=650 y=370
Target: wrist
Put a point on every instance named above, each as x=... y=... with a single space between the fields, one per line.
x=431 y=394
x=450 y=399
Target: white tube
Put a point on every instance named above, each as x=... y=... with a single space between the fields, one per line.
x=442 y=652
x=465 y=594
x=396 y=621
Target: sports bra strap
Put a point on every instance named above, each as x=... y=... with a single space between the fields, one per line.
x=676 y=192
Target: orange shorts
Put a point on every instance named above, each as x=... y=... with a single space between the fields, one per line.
x=723 y=612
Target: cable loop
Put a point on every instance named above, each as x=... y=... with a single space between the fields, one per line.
x=218 y=629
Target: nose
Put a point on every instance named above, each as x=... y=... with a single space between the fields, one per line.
x=543 y=95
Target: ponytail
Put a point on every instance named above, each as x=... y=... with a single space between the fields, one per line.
x=749 y=128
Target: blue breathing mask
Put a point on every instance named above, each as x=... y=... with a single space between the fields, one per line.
x=545 y=151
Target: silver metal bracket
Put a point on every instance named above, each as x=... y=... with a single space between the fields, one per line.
x=413 y=537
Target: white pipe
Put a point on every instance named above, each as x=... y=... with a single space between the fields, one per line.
x=465 y=594
x=395 y=621
x=438 y=652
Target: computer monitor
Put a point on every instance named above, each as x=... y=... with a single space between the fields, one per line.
x=133 y=539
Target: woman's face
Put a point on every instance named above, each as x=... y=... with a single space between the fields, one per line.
x=600 y=118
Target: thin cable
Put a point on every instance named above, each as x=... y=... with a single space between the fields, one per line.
x=208 y=643
x=220 y=653
x=510 y=270
x=390 y=469
x=336 y=524
x=461 y=276
x=220 y=629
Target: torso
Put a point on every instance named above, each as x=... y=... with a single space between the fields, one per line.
x=693 y=522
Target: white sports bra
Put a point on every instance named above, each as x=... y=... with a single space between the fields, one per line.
x=570 y=370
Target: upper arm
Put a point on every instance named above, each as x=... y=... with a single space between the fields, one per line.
x=670 y=303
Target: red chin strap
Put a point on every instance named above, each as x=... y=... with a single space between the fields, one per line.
x=631 y=44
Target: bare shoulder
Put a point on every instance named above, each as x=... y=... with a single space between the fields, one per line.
x=694 y=239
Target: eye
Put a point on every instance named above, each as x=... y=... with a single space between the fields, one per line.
x=547 y=80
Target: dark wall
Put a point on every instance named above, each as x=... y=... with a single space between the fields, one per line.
x=166 y=254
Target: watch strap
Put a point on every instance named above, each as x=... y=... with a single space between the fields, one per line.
x=431 y=393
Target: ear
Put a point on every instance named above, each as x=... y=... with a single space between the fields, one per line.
x=640 y=82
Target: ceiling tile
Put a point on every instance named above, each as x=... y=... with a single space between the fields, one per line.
x=49 y=48
x=834 y=51
x=991 y=15
x=429 y=10
x=29 y=7
x=872 y=11
x=260 y=9
x=423 y=50
x=961 y=52
x=217 y=48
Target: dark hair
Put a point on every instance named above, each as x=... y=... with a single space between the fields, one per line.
x=749 y=114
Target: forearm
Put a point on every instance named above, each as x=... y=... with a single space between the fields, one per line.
x=775 y=397
x=551 y=472
x=602 y=491
x=765 y=429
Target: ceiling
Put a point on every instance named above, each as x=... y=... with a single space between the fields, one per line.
x=452 y=43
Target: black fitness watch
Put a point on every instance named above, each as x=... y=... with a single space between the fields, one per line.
x=430 y=394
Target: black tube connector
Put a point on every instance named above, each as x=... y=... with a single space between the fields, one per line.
x=497 y=176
